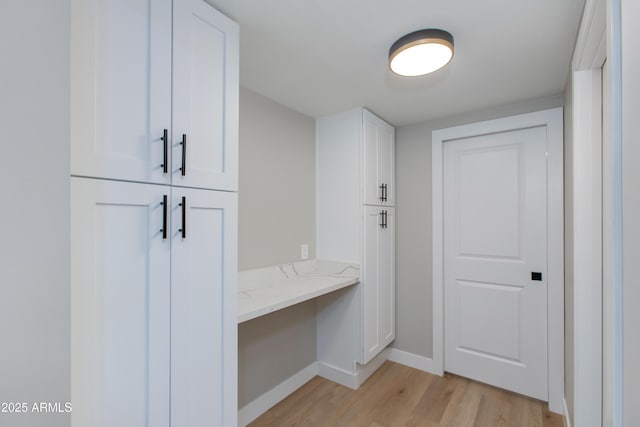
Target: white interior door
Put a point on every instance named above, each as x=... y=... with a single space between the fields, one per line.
x=495 y=230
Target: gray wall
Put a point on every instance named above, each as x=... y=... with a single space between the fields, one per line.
x=568 y=246
x=273 y=348
x=34 y=253
x=413 y=223
x=276 y=215
x=277 y=183
x=631 y=209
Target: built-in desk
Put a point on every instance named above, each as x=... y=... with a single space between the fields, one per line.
x=265 y=290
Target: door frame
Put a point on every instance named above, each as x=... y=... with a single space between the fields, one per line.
x=597 y=386
x=552 y=119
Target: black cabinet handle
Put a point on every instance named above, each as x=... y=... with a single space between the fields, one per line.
x=183 y=230
x=383 y=192
x=383 y=219
x=164 y=216
x=183 y=169
x=165 y=156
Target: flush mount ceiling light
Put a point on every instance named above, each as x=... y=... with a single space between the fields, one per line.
x=421 y=52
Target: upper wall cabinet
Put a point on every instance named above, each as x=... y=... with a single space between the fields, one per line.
x=127 y=90
x=205 y=97
x=378 y=157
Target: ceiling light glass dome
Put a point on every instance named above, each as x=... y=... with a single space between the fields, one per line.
x=421 y=52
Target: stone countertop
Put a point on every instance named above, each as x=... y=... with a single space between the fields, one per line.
x=265 y=290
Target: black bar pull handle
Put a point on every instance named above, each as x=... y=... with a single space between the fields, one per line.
x=385 y=193
x=381 y=219
x=165 y=155
x=385 y=219
x=183 y=169
x=164 y=216
x=183 y=230
x=381 y=192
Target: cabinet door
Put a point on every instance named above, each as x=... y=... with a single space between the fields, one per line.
x=205 y=97
x=203 y=312
x=120 y=297
x=378 y=280
x=370 y=186
x=386 y=162
x=371 y=283
x=120 y=88
x=378 y=161
x=386 y=277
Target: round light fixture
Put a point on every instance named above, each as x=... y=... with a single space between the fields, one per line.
x=421 y=52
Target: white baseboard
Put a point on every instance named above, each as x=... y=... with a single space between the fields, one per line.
x=364 y=372
x=267 y=400
x=565 y=418
x=338 y=375
x=351 y=380
x=414 y=361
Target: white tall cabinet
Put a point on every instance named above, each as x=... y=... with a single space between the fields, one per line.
x=356 y=223
x=154 y=146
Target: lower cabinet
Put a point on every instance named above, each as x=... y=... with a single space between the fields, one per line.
x=153 y=296
x=378 y=279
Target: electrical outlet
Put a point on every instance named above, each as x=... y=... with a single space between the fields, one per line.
x=304 y=251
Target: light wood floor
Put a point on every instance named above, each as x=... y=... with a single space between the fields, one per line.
x=400 y=396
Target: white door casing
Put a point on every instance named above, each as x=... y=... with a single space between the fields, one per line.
x=551 y=120
x=494 y=239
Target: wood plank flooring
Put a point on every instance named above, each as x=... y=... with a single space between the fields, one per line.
x=400 y=396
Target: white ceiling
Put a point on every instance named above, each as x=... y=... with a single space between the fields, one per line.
x=324 y=56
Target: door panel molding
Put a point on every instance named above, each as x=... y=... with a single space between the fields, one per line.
x=552 y=120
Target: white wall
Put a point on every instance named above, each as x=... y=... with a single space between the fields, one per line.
x=276 y=214
x=630 y=14
x=34 y=208
x=413 y=223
